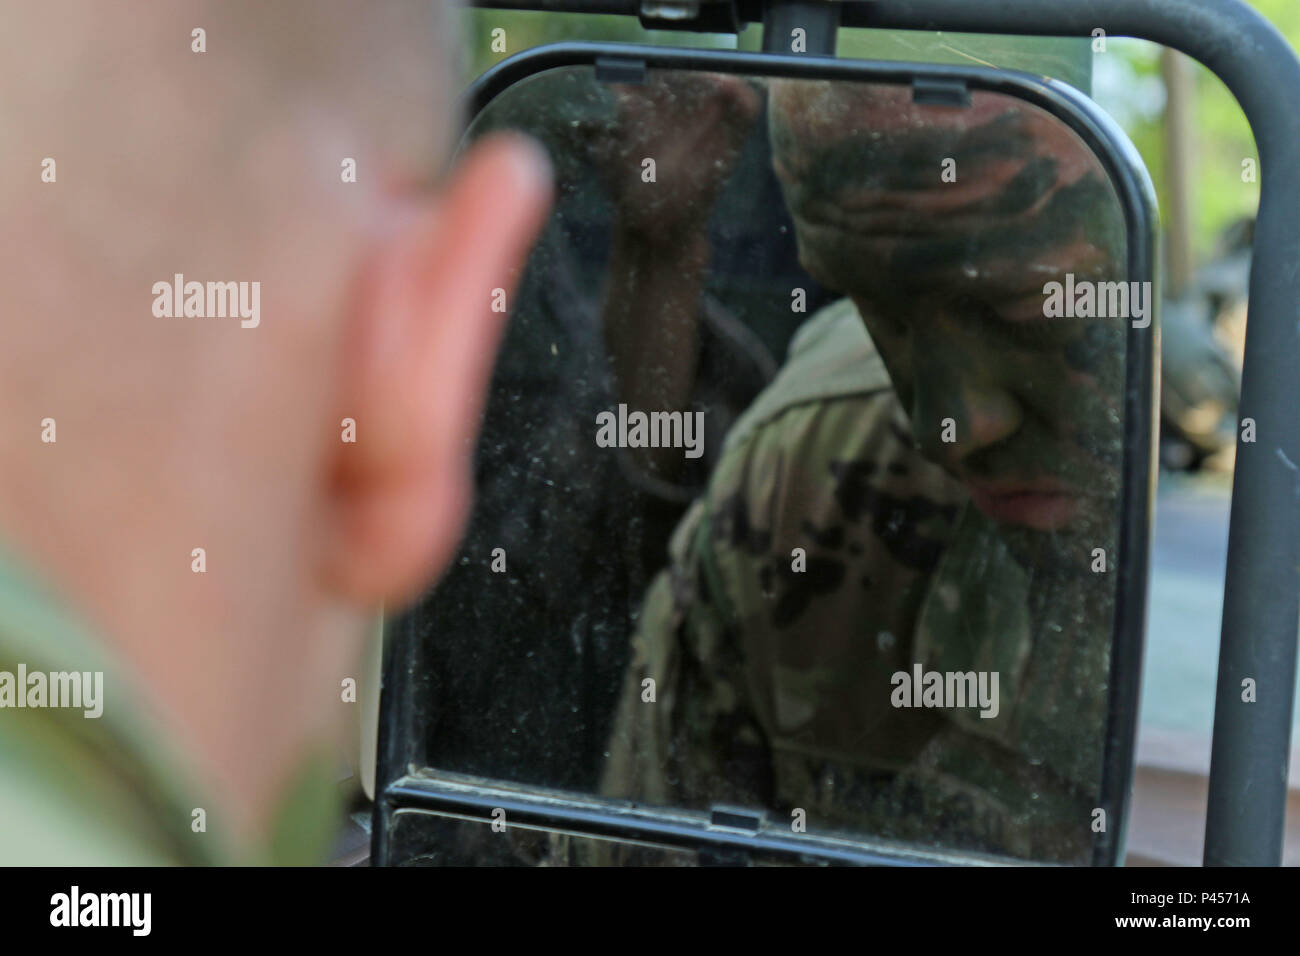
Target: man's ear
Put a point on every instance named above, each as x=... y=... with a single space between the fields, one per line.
x=421 y=342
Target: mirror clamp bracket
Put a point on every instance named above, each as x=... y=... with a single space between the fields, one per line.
x=701 y=16
x=618 y=69
x=935 y=92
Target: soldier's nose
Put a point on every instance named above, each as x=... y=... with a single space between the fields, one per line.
x=954 y=419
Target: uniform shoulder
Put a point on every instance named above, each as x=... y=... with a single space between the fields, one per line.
x=89 y=776
x=830 y=357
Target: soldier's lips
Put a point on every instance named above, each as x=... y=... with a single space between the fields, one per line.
x=1043 y=506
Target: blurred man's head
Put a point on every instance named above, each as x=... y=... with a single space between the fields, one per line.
x=944 y=224
x=178 y=433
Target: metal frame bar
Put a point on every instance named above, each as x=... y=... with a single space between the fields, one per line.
x=819 y=19
x=473 y=800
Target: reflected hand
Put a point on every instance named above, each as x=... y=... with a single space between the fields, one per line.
x=692 y=125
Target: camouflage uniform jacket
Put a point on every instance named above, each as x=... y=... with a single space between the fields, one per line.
x=773 y=684
x=111 y=790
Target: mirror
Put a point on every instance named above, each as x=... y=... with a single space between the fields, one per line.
x=806 y=483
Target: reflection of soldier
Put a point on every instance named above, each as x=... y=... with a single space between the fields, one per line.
x=773 y=682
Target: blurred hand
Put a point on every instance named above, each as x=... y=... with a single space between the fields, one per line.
x=693 y=126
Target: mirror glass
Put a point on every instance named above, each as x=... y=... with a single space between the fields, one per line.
x=799 y=483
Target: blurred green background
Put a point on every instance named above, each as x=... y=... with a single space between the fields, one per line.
x=1128 y=80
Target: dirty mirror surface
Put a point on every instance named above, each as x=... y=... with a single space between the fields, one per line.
x=798 y=489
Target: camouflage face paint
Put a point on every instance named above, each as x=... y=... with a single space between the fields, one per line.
x=949 y=278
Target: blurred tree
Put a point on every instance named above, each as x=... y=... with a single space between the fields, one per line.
x=1224 y=183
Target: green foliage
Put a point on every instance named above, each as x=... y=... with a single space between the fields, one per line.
x=1223 y=138
x=1064 y=59
x=526 y=29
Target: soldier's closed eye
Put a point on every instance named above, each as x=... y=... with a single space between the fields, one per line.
x=972 y=308
x=1020 y=317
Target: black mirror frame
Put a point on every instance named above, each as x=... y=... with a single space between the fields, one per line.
x=451 y=793
x=1261 y=610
